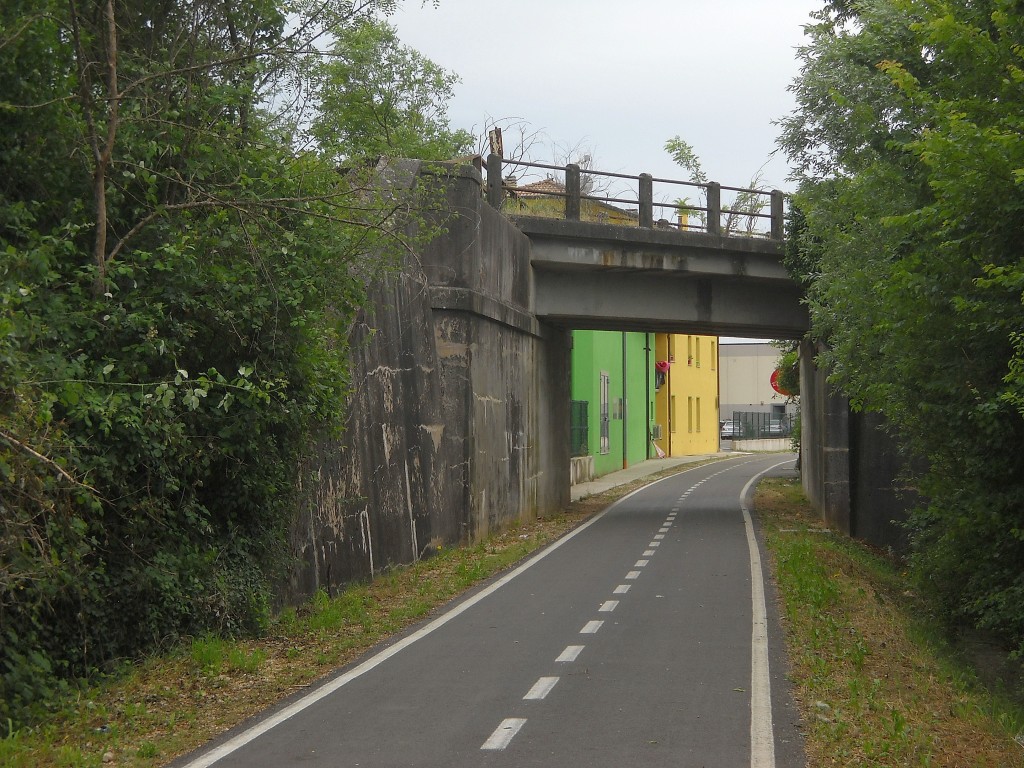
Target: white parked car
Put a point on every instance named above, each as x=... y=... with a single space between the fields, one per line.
x=731 y=429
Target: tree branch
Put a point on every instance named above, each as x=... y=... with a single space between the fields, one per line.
x=49 y=462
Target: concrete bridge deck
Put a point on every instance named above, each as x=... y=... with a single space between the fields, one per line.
x=607 y=276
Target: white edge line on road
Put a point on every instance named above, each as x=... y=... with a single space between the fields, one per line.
x=762 y=735
x=504 y=733
x=235 y=743
x=540 y=689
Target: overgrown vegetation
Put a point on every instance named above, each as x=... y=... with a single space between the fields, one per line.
x=877 y=679
x=180 y=263
x=908 y=225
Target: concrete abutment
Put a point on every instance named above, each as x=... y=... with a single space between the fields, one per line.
x=458 y=420
x=851 y=469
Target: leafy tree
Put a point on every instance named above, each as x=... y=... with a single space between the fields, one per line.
x=907 y=143
x=180 y=263
x=393 y=99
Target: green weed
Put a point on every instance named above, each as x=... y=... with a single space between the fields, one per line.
x=248 y=662
x=209 y=653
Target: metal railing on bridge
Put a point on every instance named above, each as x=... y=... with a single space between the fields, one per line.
x=744 y=216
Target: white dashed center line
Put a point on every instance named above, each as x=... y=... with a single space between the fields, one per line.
x=622 y=589
x=570 y=653
x=540 y=689
x=608 y=606
x=591 y=627
x=504 y=733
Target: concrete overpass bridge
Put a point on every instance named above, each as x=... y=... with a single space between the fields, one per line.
x=613 y=277
x=631 y=272
x=459 y=413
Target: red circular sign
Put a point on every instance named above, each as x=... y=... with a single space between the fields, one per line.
x=776 y=387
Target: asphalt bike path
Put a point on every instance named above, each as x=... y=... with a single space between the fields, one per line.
x=635 y=640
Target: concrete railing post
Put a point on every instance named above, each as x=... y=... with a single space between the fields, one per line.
x=714 y=208
x=778 y=215
x=572 y=192
x=646 y=200
x=495 y=193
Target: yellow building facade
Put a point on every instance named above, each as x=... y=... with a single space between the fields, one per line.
x=686 y=396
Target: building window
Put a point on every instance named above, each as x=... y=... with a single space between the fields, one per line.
x=689 y=350
x=672 y=414
x=671 y=347
x=606 y=442
x=698 y=414
x=698 y=351
x=689 y=414
x=714 y=355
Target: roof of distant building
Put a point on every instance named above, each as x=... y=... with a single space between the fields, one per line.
x=542 y=187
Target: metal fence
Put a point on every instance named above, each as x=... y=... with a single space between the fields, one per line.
x=757 y=425
x=579 y=428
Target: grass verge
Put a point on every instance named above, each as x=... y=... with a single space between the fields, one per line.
x=875 y=679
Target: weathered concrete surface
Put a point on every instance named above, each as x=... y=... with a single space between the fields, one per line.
x=763 y=444
x=880 y=496
x=458 y=419
x=581 y=469
x=606 y=276
x=849 y=466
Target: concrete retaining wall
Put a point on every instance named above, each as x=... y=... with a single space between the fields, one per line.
x=850 y=467
x=458 y=419
x=763 y=444
x=581 y=469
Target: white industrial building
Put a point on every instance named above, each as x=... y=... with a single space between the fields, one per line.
x=745 y=380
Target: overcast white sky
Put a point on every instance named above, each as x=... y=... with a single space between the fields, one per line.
x=620 y=77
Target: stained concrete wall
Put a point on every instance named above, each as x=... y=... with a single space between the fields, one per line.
x=879 y=496
x=849 y=466
x=458 y=420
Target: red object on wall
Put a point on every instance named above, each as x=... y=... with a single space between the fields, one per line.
x=662 y=366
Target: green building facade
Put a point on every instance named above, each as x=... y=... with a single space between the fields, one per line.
x=613 y=374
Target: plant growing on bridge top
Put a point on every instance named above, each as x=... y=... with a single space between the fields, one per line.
x=906 y=144
x=740 y=215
